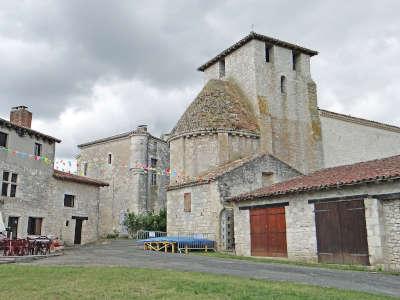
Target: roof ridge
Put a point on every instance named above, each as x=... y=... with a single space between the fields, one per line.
x=349 y=174
x=358 y=120
x=253 y=35
x=32 y=131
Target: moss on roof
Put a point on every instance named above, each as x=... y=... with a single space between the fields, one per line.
x=220 y=105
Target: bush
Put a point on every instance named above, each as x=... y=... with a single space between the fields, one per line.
x=146 y=221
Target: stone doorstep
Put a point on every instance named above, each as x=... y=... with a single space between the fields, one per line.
x=26 y=258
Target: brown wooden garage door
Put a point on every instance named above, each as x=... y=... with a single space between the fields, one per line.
x=341 y=232
x=268 y=231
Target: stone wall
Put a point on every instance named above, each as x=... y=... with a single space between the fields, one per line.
x=242 y=232
x=204 y=215
x=382 y=223
x=289 y=122
x=300 y=229
x=391 y=250
x=208 y=199
x=193 y=155
x=356 y=142
x=117 y=196
x=130 y=184
x=248 y=177
x=60 y=220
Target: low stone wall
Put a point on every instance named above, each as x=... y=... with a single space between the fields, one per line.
x=391 y=250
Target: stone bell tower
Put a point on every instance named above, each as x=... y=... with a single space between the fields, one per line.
x=275 y=76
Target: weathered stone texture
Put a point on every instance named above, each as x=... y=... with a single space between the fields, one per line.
x=208 y=199
x=356 y=142
x=242 y=232
x=391 y=210
x=292 y=121
x=42 y=196
x=382 y=223
x=204 y=215
x=130 y=184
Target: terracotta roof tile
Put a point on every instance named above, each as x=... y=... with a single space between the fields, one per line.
x=78 y=179
x=375 y=170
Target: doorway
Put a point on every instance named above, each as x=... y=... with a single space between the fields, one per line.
x=341 y=232
x=78 y=229
x=13 y=227
x=268 y=231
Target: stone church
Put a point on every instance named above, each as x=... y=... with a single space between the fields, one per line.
x=256 y=123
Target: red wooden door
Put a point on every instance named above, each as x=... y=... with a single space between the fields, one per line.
x=268 y=231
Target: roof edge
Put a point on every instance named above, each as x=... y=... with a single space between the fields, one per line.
x=29 y=131
x=357 y=120
x=60 y=175
x=256 y=36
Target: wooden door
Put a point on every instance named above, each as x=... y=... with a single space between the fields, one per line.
x=268 y=231
x=78 y=231
x=341 y=232
x=13 y=227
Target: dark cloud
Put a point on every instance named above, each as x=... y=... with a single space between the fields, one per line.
x=90 y=57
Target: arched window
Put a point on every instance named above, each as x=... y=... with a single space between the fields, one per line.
x=283 y=84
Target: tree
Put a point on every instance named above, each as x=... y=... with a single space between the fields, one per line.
x=146 y=221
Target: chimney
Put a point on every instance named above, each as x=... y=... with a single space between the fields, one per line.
x=141 y=128
x=21 y=116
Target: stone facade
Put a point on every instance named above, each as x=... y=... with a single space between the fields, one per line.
x=391 y=228
x=382 y=223
x=39 y=194
x=288 y=120
x=131 y=187
x=356 y=139
x=208 y=199
x=267 y=82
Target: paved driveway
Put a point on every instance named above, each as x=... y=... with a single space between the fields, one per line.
x=126 y=253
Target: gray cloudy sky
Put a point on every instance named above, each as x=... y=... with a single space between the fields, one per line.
x=88 y=69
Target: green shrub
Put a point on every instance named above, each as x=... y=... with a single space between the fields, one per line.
x=146 y=221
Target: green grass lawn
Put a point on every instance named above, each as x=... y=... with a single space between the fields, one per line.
x=36 y=282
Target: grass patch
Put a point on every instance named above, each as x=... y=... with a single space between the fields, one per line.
x=296 y=263
x=33 y=282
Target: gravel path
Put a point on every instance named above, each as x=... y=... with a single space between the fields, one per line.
x=126 y=253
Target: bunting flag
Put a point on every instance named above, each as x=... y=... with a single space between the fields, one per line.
x=72 y=166
x=26 y=155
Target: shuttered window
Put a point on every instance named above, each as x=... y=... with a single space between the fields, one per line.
x=69 y=200
x=187 y=202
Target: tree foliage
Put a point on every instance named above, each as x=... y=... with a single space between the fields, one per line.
x=146 y=221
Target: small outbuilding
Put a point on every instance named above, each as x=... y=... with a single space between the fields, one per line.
x=347 y=215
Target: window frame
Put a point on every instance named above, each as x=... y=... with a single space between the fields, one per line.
x=268 y=48
x=37 y=150
x=71 y=198
x=85 y=168
x=295 y=60
x=187 y=202
x=222 y=68
x=32 y=221
x=283 y=85
x=9 y=184
x=5 y=135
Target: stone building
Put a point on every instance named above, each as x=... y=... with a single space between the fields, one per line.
x=346 y=214
x=37 y=200
x=136 y=165
x=254 y=124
